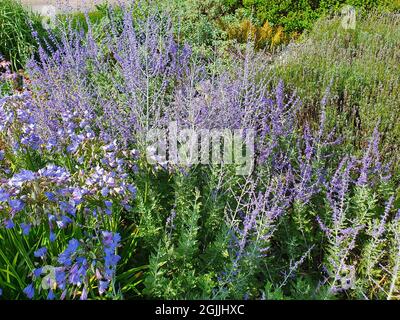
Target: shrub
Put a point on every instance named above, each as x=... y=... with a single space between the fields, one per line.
x=301 y=15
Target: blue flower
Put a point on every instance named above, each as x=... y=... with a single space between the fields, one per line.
x=103 y=286
x=16 y=204
x=31 y=140
x=68 y=208
x=109 y=206
x=2 y=155
x=77 y=273
x=37 y=272
x=29 y=291
x=64 y=222
x=77 y=195
x=60 y=278
x=52 y=236
x=26 y=228
x=50 y=295
x=4 y=196
x=104 y=191
x=1 y=292
x=132 y=189
x=23 y=176
x=51 y=196
x=84 y=294
x=65 y=257
x=9 y=224
x=110 y=242
x=40 y=253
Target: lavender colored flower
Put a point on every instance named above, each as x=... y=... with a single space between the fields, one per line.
x=50 y=295
x=68 y=207
x=54 y=173
x=379 y=230
x=32 y=140
x=110 y=242
x=20 y=178
x=64 y=222
x=52 y=236
x=77 y=273
x=84 y=294
x=16 y=204
x=37 y=272
x=4 y=196
x=40 y=253
x=26 y=228
x=105 y=191
x=60 y=278
x=9 y=224
x=111 y=239
x=29 y=291
x=65 y=257
x=103 y=286
x=63 y=294
x=132 y=189
x=51 y=196
x=77 y=195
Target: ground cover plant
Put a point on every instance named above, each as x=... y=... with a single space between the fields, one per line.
x=89 y=211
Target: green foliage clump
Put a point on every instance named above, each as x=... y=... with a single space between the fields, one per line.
x=17 y=43
x=296 y=15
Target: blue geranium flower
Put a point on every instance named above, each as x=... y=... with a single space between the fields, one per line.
x=40 y=253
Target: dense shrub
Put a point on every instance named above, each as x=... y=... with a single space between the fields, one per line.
x=296 y=15
x=270 y=23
